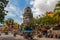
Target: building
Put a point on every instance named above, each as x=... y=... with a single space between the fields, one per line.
x=27 y=16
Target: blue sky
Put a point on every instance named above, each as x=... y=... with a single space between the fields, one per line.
x=15 y=8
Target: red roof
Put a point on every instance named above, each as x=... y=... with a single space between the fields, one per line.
x=43 y=29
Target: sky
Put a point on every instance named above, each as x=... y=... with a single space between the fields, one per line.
x=15 y=8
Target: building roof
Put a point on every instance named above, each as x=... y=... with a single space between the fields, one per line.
x=27 y=7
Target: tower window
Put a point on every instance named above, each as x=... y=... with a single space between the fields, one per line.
x=27 y=10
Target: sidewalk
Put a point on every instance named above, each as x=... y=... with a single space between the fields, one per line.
x=11 y=35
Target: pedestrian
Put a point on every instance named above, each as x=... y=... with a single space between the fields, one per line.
x=54 y=35
x=15 y=32
x=0 y=32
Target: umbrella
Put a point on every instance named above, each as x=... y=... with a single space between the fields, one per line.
x=28 y=31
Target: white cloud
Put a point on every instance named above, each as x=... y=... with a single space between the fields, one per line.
x=10 y=14
x=14 y=11
x=19 y=22
x=41 y=6
x=11 y=8
x=21 y=16
x=32 y=2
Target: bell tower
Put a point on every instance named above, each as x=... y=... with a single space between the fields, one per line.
x=27 y=16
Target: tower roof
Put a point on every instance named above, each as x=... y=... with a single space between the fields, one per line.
x=27 y=10
x=27 y=7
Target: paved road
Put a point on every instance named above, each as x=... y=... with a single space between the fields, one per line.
x=48 y=39
x=11 y=37
x=18 y=37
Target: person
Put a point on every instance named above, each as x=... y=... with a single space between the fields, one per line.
x=0 y=32
x=15 y=32
x=29 y=36
x=39 y=34
x=54 y=35
x=48 y=33
x=58 y=35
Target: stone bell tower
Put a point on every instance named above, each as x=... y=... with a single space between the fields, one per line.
x=27 y=16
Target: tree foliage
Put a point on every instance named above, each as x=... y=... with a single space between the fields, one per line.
x=50 y=20
x=3 y=4
x=10 y=22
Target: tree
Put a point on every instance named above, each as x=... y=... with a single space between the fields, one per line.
x=57 y=12
x=2 y=15
x=10 y=22
x=50 y=18
x=3 y=4
x=46 y=19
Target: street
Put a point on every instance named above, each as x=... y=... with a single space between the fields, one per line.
x=10 y=37
x=18 y=37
